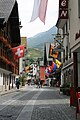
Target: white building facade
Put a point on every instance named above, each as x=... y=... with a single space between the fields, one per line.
x=75 y=35
x=69 y=23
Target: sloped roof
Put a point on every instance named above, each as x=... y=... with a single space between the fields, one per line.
x=6 y=7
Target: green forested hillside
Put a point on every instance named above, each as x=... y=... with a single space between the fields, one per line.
x=33 y=54
x=36 y=44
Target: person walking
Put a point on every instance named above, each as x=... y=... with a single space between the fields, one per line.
x=17 y=83
x=38 y=83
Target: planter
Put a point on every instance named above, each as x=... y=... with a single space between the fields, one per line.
x=66 y=91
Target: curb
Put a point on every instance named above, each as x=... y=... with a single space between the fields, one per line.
x=11 y=91
x=7 y=92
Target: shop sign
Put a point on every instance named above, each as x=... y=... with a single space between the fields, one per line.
x=63 y=9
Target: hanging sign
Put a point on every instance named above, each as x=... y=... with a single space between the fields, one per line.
x=63 y=9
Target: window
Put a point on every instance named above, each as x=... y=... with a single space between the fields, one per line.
x=79 y=8
x=66 y=52
x=69 y=53
x=1 y=74
x=64 y=56
x=64 y=31
x=7 y=79
x=66 y=27
x=3 y=79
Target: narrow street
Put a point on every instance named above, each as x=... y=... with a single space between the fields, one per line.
x=39 y=45
x=31 y=103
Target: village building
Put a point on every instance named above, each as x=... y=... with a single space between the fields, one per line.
x=68 y=25
x=9 y=38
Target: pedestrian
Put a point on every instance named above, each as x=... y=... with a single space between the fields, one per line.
x=51 y=83
x=41 y=82
x=17 y=83
x=38 y=83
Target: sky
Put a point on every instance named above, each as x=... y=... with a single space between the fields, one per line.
x=29 y=29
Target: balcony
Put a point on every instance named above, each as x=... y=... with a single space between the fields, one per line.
x=6 y=62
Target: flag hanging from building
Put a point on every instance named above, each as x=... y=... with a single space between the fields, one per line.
x=52 y=52
x=39 y=10
x=18 y=51
x=27 y=69
x=58 y=63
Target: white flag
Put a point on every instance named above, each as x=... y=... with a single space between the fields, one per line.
x=39 y=10
x=35 y=12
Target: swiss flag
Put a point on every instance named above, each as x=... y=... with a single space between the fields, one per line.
x=18 y=51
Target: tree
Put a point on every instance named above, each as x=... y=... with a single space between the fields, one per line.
x=22 y=80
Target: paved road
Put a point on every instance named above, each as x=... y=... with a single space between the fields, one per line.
x=32 y=103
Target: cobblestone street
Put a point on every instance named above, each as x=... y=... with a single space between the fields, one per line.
x=33 y=103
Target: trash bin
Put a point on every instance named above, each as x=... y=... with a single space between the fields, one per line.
x=78 y=98
x=78 y=103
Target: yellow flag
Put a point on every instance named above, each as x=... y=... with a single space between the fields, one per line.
x=27 y=69
x=58 y=63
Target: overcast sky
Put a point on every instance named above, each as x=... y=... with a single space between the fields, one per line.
x=29 y=29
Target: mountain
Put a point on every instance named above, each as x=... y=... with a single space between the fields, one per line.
x=33 y=54
x=38 y=40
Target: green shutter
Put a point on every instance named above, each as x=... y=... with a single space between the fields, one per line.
x=79 y=8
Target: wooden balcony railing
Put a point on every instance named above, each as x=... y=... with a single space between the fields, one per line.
x=5 y=41
x=7 y=61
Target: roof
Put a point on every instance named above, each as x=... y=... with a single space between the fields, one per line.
x=6 y=7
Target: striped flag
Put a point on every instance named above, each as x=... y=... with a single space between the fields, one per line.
x=39 y=10
x=42 y=10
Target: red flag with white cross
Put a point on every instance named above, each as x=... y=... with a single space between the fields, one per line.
x=18 y=51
